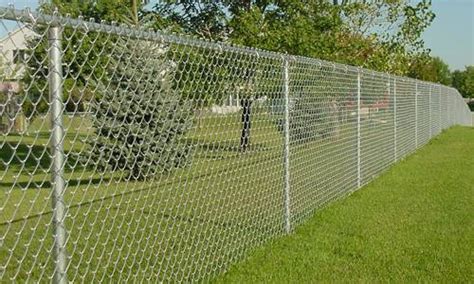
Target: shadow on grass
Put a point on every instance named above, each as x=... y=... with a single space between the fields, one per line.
x=47 y=184
x=223 y=149
x=34 y=156
x=17 y=155
x=181 y=217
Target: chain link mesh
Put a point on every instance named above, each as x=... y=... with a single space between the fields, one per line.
x=132 y=155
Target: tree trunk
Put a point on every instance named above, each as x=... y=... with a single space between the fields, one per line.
x=246 y=104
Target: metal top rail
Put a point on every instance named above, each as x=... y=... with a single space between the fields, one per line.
x=28 y=16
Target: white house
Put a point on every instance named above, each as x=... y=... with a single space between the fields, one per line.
x=13 y=57
x=13 y=48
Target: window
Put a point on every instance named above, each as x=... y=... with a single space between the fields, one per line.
x=19 y=56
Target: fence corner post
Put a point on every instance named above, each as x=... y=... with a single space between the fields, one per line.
x=57 y=153
x=286 y=90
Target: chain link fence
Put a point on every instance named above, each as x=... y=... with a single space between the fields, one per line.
x=132 y=155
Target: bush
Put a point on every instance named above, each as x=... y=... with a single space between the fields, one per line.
x=139 y=118
x=471 y=105
x=312 y=116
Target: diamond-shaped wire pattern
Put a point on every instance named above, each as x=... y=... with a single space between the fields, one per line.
x=131 y=155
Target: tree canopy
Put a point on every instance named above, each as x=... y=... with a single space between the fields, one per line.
x=463 y=81
x=382 y=35
x=432 y=69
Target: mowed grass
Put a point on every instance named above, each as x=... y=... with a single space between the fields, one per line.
x=176 y=225
x=187 y=224
x=414 y=223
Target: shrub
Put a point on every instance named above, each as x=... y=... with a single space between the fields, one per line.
x=139 y=117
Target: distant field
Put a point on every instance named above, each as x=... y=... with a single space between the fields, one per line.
x=413 y=224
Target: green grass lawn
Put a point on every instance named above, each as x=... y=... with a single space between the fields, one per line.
x=150 y=229
x=414 y=223
x=188 y=224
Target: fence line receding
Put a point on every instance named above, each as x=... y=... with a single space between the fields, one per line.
x=135 y=155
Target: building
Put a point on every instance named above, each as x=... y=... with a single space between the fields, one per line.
x=13 y=57
x=13 y=53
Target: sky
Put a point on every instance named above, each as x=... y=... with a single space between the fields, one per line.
x=450 y=36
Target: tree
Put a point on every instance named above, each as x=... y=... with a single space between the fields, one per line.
x=313 y=116
x=381 y=35
x=374 y=34
x=92 y=45
x=121 y=11
x=432 y=69
x=294 y=27
x=139 y=117
x=394 y=27
x=207 y=19
x=285 y=26
x=463 y=81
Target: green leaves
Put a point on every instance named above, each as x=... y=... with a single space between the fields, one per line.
x=464 y=81
x=432 y=69
x=139 y=117
x=380 y=35
x=208 y=19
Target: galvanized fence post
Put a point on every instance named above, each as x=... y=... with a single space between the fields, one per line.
x=447 y=110
x=453 y=110
x=358 y=128
x=440 y=125
x=286 y=90
x=429 y=105
x=416 y=114
x=395 y=119
x=57 y=152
